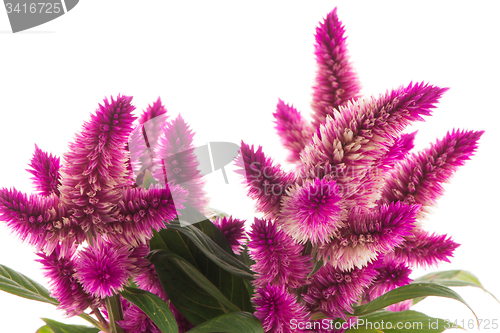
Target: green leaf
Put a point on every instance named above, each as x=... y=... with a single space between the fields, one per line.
x=17 y=284
x=148 y=180
x=58 y=327
x=454 y=278
x=408 y=292
x=152 y=305
x=401 y=322
x=194 y=274
x=44 y=329
x=237 y=322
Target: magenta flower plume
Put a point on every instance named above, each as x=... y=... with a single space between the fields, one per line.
x=418 y=178
x=63 y=285
x=423 y=249
x=266 y=182
x=45 y=171
x=391 y=275
x=367 y=233
x=42 y=222
x=136 y=321
x=276 y=308
x=336 y=80
x=104 y=268
x=314 y=211
x=358 y=135
x=234 y=231
x=293 y=130
x=176 y=162
x=146 y=277
x=139 y=211
x=95 y=168
x=278 y=257
x=334 y=291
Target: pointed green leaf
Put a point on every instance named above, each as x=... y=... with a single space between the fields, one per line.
x=44 y=329
x=17 y=284
x=240 y=322
x=58 y=327
x=148 y=180
x=152 y=305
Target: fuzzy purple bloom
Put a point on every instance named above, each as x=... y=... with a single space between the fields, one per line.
x=423 y=249
x=63 y=284
x=266 y=182
x=391 y=275
x=293 y=130
x=367 y=233
x=45 y=171
x=276 y=308
x=234 y=231
x=136 y=321
x=336 y=80
x=176 y=162
x=146 y=277
x=278 y=257
x=333 y=291
x=104 y=269
x=314 y=211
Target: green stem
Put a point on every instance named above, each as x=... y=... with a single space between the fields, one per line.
x=115 y=313
x=92 y=321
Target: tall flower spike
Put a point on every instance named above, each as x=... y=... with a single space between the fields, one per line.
x=418 y=178
x=278 y=257
x=266 y=182
x=293 y=130
x=45 y=171
x=368 y=233
x=176 y=162
x=103 y=269
x=95 y=168
x=314 y=211
x=336 y=80
x=334 y=291
x=276 y=308
x=360 y=132
x=423 y=249
x=63 y=285
x=40 y=221
x=234 y=231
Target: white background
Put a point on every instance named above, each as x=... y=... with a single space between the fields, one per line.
x=223 y=66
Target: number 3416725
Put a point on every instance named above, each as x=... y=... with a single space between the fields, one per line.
x=33 y=8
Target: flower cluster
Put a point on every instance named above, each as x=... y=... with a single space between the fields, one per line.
x=356 y=199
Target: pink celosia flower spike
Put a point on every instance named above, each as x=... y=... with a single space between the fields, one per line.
x=234 y=231
x=369 y=232
x=266 y=182
x=418 y=178
x=276 y=308
x=278 y=257
x=336 y=80
x=45 y=171
x=176 y=162
x=360 y=133
x=95 y=168
x=334 y=291
x=314 y=211
x=293 y=130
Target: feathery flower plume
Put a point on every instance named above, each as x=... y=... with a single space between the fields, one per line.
x=278 y=257
x=361 y=131
x=368 y=232
x=418 y=178
x=146 y=277
x=95 y=168
x=45 y=171
x=104 y=268
x=176 y=162
x=333 y=291
x=336 y=79
x=293 y=130
x=266 y=182
x=276 y=308
x=63 y=285
x=42 y=222
x=314 y=211
x=136 y=321
x=390 y=276
x=423 y=249
x=234 y=231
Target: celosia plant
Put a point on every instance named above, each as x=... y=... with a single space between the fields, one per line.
x=120 y=230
